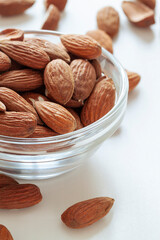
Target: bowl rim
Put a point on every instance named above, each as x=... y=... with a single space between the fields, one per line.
x=89 y=128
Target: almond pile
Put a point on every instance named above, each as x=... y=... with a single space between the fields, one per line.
x=43 y=84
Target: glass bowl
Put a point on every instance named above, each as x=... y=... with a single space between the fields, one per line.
x=48 y=157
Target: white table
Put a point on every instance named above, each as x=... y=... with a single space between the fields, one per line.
x=127 y=166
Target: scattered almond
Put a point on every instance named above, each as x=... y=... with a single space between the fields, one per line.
x=52 y=18
x=6 y=180
x=4 y=233
x=5 y=62
x=12 y=34
x=134 y=79
x=60 y=4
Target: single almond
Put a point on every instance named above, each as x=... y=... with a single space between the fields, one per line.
x=52 y=18
x=6 y=180
x=2 y=107
x=25 y=54
x=84 y=78
x=77 y=118
x=54 y=51
x=100 y=102
x=108 y=20
x=56 y=117
x=85 y=213
x=17 y=124
x=4 y=233
x=14 y=7
x=134 y=79
x=149 y=3
x=5 y=62
x=97 y=66
x=138 y=13
x=17 y=196
x=74 y=103
x=60 y=4
x=102 y=38
x=59 y=82
x=21 y=80
x=41 y=132
x=12 y=34
x=81 y=45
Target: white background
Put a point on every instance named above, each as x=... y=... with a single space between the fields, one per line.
x=127 y=166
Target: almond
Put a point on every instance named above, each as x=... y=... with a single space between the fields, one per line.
x=14 y=102
x=17 y=124
x=138 y=13
x=102 y=38
x=41 y=132
x=59 y=82
x=25 y=54
x=84 y=78
x=6 y=180
x=14 y=7
x=2 y=107
x=74 y=103
x=85 y=213
x=149 y=3
x=134 y=79
x=77 y=118
x=52 y=18
x=100 y=102
x=60 y=4
x=32 y=97
x=12 y=34
x=108 y=20
x=97 y=66
x=5 y=62
x=54 y=51
x=17 y=196
x=81 y=45
x=21 y=80
x=4 y=233
x=56 y=117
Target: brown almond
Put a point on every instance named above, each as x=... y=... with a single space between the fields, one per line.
x=149 y=3
x=2 y=107
x=5 y=62
x=25 y=54
x=85 y=213
x=56 y=117
x=81 y=45
x=108 y=20
x=17 y=196
x=60 y=4
x=32 y=97
x=74 y=103
x=100 y=102
x=138 y=13
x=17 y=124
x=84 y=78
x=134 y=79
x=21 y=80
x=59 y=82
x=102 y=38
x=6 y=180
x=54 y=51
x=12 y=34
x=41 y=132
x=77 y=118
x=97 y=66
x=4 y=233
x=52 y=18
x=14 y=7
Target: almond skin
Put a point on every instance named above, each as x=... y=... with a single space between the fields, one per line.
x=2 y=107
x=59 y=82
x=32 y=97
x=21 y=80
x=87 y=212
x=84 y=78
x=17 y=124
x=134 y=79
x=54 y=51
x=74 y=103
x=25 y=54
x=149 y=3
x=81 y=45
x=14 y=7
x=108 y=20
x=17 y=196
x=138 y=13
x=60 y=4
x=41 y=132
x=4 y=233
x=77 y=118
x=5 y=62
x=52 y=18
x=100 y=102
x=6 y=180
x=12 y=34
x=102 y=38
x=97 y=67
x=56 y=117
